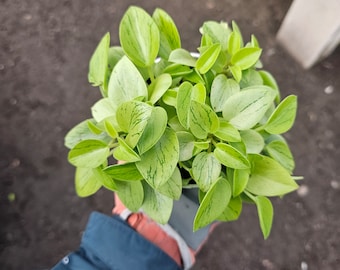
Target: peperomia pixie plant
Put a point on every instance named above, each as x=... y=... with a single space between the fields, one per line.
x=210 y=120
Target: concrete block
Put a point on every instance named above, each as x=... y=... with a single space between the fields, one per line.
x=310 y=30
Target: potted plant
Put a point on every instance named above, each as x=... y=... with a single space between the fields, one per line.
x=210 y=120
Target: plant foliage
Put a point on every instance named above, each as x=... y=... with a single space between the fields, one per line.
x=215 y=115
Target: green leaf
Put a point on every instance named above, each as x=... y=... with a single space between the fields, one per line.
x=110 y=129
x=176 y=70
x=206 y=169
x=139 y=37
x=268 y=177
x=253 y=140
x=202 y=120
x=98 y=67
x=158 y=164
x=199 y=93
x=221 y=89
x=230 y=156
x=126 y=83
x=186 y=145
x=156 y=205
x=86 y=182
x=103 y=109
x=159 y=87
x=115 y=54
x=170 y=97
x=266 y=214
x=183 y=57
x=237 y=30
x=154 y=129
x=283 y=118
x=124 y=172
x=208 y=58
x=270 y=81
x=217 y=32
x=105 y=179
x=173 y=187
x=234 y=42
x=124 y=152
x=94 y=127
x=250 y=77
x=213 y=204
x=183 y=103
x=236 y=72
x=89 y=154
x=240 y=180
x=246 y=57
x=246 y=108
x=133 y=117
x=279 y=150
x=82 y=132
x=169 y=36
x=131 y=194
x=232 y=211
x=227 y=132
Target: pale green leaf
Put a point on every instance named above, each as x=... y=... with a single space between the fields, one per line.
x=253 y=141
x=159 y=87
x=139 y=36
x=227 y=132
x=110 y=129
x=156 y=205
x=213 y=204
x=173 y=187
x=206 y=169
x=250 y=77
x=268 y=177
x=89 y=154
x=202 y=120
x=232 y=211
x=105 y=179
x=153 y=130
x=234 y=42
x=221 y=89
x=124 y=152
x=279 y=150
x=158 y=164
x=283 y=118
x=240 y=180
x=231 y=157
x=169 y=36
x=183 y=57
x=103 y=109
x=133 y=117
x=98 y=67
x=217 y=32
x=86 y=182
x=126 y=83
x=246 y=108
x=236 y=72
x=124 y=172
x=170 y=97
x=208 y=58
x=131 y=194
x=246 y=57
x=266 y=214
x=81 y=132
x=183 y=103
x=186 y=145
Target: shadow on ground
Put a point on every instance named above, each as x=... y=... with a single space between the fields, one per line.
x=44 y=51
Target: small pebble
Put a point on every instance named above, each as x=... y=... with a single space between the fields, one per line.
x=335 y=184
x=268 y=264
x=304 y=266
x=2 y=66
x=303 y=191
x=15 y=163
x=329 y=89
x=27 y=17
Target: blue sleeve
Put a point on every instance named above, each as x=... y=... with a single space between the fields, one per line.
x=109 y=243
